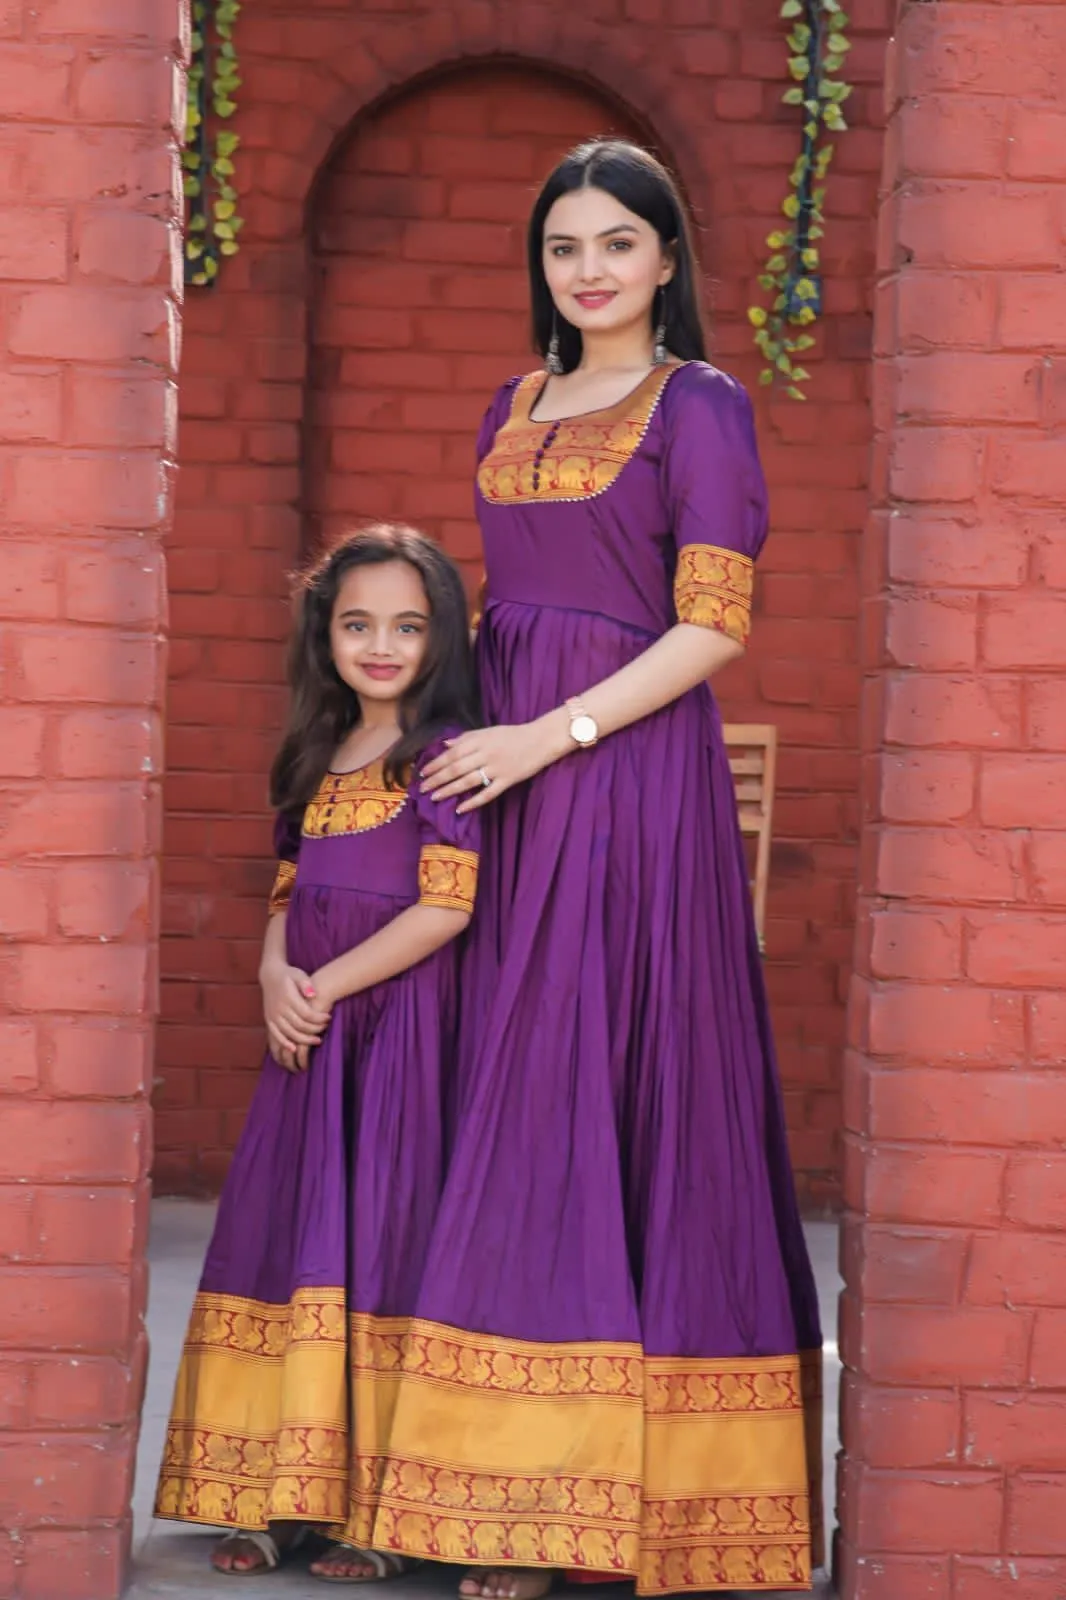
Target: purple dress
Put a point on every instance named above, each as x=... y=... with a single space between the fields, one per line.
x=327 y=1212
x=615 y=1363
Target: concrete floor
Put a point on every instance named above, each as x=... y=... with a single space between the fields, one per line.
x=173 y=1561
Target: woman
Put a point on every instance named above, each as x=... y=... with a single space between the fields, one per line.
x=616 y=1346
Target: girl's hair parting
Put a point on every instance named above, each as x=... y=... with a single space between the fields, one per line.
x=323 y=710
x=642 y=184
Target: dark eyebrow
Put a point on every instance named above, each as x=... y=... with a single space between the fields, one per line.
x=358 y=611
x=568 y=238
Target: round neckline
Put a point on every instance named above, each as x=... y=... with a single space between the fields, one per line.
x=597 y=411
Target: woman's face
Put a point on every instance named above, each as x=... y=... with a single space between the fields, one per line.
x=380 y=629
x=603 y=263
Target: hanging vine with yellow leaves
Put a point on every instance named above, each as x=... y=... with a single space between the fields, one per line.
x=211 y=221
x=818 y=46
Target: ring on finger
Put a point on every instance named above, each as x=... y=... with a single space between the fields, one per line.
x=486 y=781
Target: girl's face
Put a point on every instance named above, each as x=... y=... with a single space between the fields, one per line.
x=380 y=630
x=603 y=263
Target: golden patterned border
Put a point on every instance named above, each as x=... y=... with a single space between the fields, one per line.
x=470 y=1448
x=505 y=1366
x=713 y=589
x=281 y=893
x=708 y=1544
x=575 y=458
x=447 y=877
x=257 y=1328
x=352 y=802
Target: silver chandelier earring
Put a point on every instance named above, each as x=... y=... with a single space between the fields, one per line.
x=661 y=355
x=553 y=361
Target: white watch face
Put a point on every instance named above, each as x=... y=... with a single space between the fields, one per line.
x=584 y=730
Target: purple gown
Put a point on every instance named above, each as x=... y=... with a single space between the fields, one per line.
x=615 y=1367
x=331 y=1198
x=572 y=1313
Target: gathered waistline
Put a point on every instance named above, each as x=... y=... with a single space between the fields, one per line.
x=494 y=601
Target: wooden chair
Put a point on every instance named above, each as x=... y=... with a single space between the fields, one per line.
x=752 y=750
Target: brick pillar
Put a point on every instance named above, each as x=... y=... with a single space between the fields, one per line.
x=954 y=1318
x=89 y=301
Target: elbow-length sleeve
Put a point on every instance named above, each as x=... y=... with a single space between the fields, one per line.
x=450 y=846
x=287 y=826
x=716 y=494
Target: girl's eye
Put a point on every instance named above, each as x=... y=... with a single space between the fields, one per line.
x=355 y=627
x=410 y=627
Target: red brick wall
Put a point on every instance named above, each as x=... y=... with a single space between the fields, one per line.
x=954 y=1320
x=404 y=313
x=89 y=285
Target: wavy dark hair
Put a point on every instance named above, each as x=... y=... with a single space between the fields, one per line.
x=323 y=710
x=642 y=184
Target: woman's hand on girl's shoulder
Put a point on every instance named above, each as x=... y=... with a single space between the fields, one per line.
x=295 y=1018
x=486 y=762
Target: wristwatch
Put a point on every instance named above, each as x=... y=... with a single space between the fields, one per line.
x=583 y=729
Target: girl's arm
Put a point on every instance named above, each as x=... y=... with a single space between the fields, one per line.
x=273 y=943
x=447 y=885
x=293 y=1021
x=405 y=941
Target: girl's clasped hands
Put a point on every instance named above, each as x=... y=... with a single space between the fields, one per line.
x=296 y=1015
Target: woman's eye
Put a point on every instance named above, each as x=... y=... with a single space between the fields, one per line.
x=562 y=250
x=621 y=244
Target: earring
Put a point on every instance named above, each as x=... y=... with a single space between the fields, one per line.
x=661 y=355
x=553 y=361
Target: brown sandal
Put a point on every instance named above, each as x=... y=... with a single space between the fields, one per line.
x=272 y=1554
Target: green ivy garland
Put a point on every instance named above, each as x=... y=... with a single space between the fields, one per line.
x=817 y=46
x=211 y=220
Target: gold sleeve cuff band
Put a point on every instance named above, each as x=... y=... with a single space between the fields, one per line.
x=282 y=890
x=447 y=878
x=713 y=589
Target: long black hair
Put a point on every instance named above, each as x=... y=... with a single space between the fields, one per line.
x=323 y=710
x=642 y=184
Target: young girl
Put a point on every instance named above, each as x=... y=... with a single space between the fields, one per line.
x=325 y=1216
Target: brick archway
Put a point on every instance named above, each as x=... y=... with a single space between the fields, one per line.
x=306 y=109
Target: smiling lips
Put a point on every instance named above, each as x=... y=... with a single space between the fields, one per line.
x=594 y=302
x=380 y=671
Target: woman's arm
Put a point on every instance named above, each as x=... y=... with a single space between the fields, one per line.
x=405 y=941
x=681 y=659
